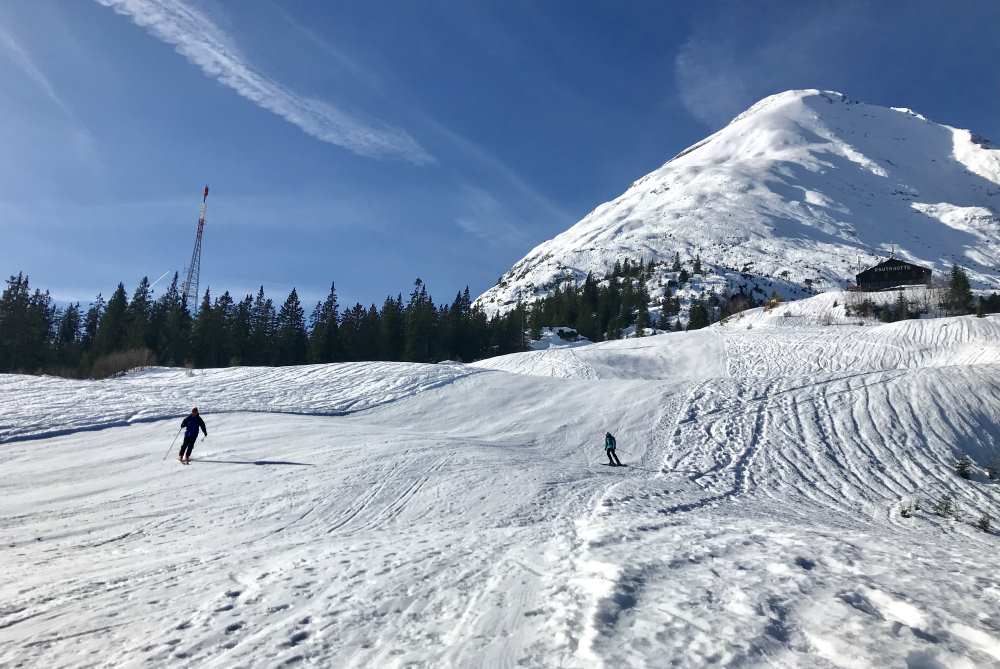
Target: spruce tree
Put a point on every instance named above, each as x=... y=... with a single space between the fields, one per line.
x=479 y=341
x=175 y=326
x=959 y=292
x=419 y=324
x=111 y=337
x=614 y=329
x=587 y=325
x=291 y=342
x=324 y=342
x=519 y=324
x=240 y=332
x=92 y=323
x=451 y=329
x=261 y=329
x=208 y=333
x=697 y=316
x=350 y=326
x=990 y=303
x=225 y=312
x=642 y=318
x=139 y=312
x=642 y=304
x=14 y=323
x=535 y=322
x=901 y=308
x=201 y=332
x=370 y=327
x=392 y=335
x=68 y=334
x=641 y=323
x=27 y=322
x=470 y=336
x=41 y=327
x=589 y=296
x=696 y=267
x=676 y=264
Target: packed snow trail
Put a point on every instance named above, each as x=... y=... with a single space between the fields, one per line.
x=461 y=516
x=158 y=393
x=395 y=541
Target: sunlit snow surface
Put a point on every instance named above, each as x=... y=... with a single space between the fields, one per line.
x=384 y=515
x=801 y=187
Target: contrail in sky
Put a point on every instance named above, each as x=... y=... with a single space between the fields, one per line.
x=196 y=37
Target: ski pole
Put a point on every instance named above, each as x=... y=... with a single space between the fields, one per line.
x=172 y=444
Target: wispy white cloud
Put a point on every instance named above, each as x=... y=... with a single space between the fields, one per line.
x=196 y=37
x=543 y=207
x=336 y=58
x=78 y=138
x=20 y=56
x=485 y=217
x=711 y=82
x=480 y=206
x=734 y=56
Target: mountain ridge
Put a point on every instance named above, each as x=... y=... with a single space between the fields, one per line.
x=795 y=192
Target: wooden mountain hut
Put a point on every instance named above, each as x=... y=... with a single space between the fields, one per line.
x=893 y=273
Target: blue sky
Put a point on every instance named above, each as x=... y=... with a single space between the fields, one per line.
x=371 y=143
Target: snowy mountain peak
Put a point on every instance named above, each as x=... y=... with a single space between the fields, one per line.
x=799 y=189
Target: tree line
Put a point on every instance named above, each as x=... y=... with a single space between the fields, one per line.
x=603 y=310
x=119 y=333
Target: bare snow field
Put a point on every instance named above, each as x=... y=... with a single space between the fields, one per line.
x=398 y=515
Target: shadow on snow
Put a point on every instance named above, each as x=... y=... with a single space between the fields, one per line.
x=255 y=462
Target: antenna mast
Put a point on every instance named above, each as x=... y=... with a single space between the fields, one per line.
x=190 y=287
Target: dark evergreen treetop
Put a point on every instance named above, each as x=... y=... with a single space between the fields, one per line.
x=960 y=300
x=112 y=333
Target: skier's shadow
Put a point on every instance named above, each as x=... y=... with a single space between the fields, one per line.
x=255 y=462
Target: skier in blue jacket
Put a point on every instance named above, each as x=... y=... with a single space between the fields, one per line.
x=191 y=424
x=609 y=448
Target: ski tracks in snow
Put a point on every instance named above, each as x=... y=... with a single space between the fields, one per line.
x=797 y=482
x=461 y=522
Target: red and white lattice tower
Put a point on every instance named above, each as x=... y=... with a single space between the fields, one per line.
x=190 y=286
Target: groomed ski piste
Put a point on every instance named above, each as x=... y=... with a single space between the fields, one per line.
x=404 y=515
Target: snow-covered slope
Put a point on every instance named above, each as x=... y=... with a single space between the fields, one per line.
x=150 y=395
x=799 y=338
x=393 y=515
x=796 y=188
